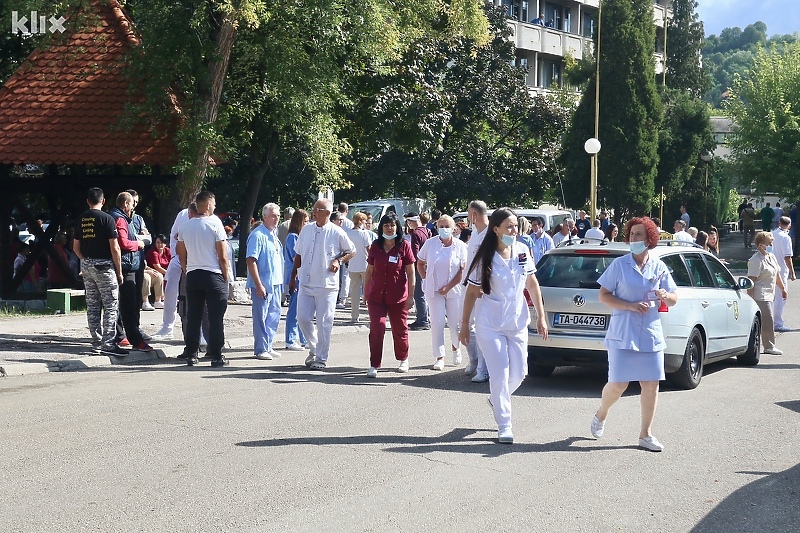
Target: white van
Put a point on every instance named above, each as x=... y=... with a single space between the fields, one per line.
x=399 y=206
x=551 y=217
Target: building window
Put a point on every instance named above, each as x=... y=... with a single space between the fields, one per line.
x=587 y=29
x=550 y=75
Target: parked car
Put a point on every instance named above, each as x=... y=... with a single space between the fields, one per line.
x=551 y=217
x=713 y=320
x=399 y=206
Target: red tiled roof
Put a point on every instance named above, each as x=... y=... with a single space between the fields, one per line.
x=63 y=105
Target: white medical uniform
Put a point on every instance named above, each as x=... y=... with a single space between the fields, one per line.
x=501 y=320
x=781 y=248
x=635 y=341
x=443 y=263
x=173 y=276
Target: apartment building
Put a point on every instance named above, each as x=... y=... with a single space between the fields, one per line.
x=568 y=29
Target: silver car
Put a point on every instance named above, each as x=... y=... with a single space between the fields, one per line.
x=714 y=318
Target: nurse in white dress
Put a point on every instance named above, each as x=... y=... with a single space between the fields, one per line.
x=634 y=286
x=502 y=269
x=441 y=262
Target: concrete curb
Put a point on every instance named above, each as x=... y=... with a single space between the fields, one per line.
x=134 y=357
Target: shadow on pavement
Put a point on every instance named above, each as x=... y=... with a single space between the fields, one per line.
x=459 y=440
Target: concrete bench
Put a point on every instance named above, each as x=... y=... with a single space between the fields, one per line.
x=66 y=300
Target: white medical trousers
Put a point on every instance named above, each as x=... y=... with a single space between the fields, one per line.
x=438 y=307
x=319 y=302
x=778 y=303
x=506 y=358
x=173 y=279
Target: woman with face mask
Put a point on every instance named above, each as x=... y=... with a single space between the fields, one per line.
x=763 y=269
x=634 y=286
x=389 y=289
x=441 y=262
x=496 y=279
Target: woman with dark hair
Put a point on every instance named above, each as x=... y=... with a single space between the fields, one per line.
x=713 y=241
x=634 y=286
x=612 y=232
x=388 y=282
x=496 y=279
x=295 y=340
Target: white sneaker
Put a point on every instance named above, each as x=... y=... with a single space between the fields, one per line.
x=273 y=353
x=310 y=359
x=372 y=372
x=295 y=348
x=266 y=356
x=773 y=351
x=147 y=307
x=439 y=364
x=480 y=377
x=782 y=329
x=403 y=368
x=651 y=443
x=158 y=305
x=597 y=427
x=164 y=334
x=505 y=436
x=470 y=368
x=457 y=357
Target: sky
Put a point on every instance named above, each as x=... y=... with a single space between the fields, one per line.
x=780 y=16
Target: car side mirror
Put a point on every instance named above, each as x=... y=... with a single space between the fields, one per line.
x=745 y=283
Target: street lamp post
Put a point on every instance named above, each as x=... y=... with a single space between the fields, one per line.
x=592 y=146
x=706 y=157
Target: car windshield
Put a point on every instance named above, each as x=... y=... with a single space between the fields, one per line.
x=572 y=271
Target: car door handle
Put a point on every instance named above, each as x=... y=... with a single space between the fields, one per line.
x=704 y=304
x=729 y=304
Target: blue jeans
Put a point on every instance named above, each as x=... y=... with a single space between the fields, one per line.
x=420 y=303
x=294 y=335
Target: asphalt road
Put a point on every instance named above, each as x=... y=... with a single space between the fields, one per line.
x=272 y=446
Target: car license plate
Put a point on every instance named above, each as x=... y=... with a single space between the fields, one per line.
x=580 y=321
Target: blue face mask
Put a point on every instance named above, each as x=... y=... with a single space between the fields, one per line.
x=445 y=233
x=508 y=240
x=389 y=237
x=638 y=247
x=769 y=249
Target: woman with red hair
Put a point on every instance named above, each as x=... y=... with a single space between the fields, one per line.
x=634 y=285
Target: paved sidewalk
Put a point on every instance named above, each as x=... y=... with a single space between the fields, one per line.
x=32 y=344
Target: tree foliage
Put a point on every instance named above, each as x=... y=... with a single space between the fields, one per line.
x=765 y=105
x=630 y=115
x=684 y=41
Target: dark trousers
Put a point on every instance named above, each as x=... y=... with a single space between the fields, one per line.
x=398 y=318
x=420 y=303
x=129 y=307
x=211 y=289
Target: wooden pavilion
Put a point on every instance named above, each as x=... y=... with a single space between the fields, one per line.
x=62 y=132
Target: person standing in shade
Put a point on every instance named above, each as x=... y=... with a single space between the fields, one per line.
x=748 y=224
x=766 y=217
x=204 y=258
x=265 y=281
x=479 y=218
x=98 y=250
x=320 y=250
x=295 y=340
x=441 y=263
x=764 y=270
x=634 y=286
x=497 y=277
x=582 y=224
x=419 y=234
x=777 y=213
x=685 y=216
x=388 y=286
x=357 y=267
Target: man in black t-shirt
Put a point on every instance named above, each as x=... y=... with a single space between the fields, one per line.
x=582 y=224
x=97 y=247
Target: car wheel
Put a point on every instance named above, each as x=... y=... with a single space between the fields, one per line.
x=753 y=353
x=691 y=371
x=538 y=371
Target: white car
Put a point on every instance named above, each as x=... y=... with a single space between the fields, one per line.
x=551 y=217
x=714 y=318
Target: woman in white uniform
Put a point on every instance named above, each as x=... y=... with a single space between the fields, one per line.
x=441 y=262
x=634 y=286
x=502 y=269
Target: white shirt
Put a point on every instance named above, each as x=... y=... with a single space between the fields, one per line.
x=559 y=237
x=317 y=248
x=682 y=235
x=595 y=233
x=200 y=236
x=180 y=220
x=472 y=247
x=778 y=214
x=347 y=223
x=362 y=239
x=443 y=263
x=782 y=248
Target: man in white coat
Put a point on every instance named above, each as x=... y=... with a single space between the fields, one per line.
x=782 y=249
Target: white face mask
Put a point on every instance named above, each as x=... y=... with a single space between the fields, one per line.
x=445 y=233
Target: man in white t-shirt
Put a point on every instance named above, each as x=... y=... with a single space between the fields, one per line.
x=595 y=232
x=782 y=249
x=680 y=232
x=203 y=253
x=321 y=248
x=478 y=215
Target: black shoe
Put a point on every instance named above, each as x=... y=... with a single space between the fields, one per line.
x=113 y=349
x=192 y=360
x=419 y=327
x=222 y=361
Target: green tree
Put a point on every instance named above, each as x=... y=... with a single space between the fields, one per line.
x=765 y=105
x=630 y=115
x=684 y=41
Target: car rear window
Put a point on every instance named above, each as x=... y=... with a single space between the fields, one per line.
x=572 y=271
